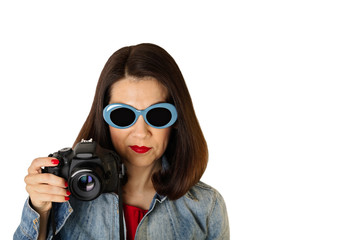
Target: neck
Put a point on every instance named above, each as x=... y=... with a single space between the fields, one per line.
x=139 y=178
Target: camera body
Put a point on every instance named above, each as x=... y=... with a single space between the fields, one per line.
x=89 y=169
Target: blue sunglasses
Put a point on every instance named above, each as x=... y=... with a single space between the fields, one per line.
x=161 y=115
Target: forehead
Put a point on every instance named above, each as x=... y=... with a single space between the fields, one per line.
x=138 y=92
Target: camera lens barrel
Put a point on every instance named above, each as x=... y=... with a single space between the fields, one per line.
x=86 y=183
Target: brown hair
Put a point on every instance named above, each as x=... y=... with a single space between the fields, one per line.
x=187 y=151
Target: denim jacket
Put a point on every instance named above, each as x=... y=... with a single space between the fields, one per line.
x=199 y=214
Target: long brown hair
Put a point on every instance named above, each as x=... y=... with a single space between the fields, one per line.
x=187 y=151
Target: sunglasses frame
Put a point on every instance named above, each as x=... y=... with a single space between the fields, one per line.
x=111 y=107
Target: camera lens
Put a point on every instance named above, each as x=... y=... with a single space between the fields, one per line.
x=86 y=183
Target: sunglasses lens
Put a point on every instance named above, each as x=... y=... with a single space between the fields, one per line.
x=122 y=117
x=158 y=117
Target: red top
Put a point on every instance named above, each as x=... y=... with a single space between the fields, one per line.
x=133 y=216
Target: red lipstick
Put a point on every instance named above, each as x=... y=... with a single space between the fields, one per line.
x=141 y=149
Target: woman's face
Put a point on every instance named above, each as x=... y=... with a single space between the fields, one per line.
x=139 y=94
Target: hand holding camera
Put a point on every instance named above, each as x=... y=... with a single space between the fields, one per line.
x=45 y=188
x=87 y=171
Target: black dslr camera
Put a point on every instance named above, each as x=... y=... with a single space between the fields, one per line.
x=89 y=169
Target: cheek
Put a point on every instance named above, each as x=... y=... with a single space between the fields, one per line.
x=164 y=138
x=117 y=137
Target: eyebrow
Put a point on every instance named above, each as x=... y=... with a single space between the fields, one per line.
x=135 y=107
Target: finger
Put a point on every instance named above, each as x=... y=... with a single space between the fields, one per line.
x=47 y=189
x=45 y=178
x=37 y=163
x=43 y=197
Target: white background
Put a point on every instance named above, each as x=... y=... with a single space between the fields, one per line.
x=275 y=85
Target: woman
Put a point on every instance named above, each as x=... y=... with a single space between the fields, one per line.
x=163 y=197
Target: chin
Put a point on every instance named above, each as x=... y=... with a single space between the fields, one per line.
x=141 y=161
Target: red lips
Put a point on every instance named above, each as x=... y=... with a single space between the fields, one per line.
x=141 y=149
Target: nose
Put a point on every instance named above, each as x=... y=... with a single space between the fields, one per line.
x=140 y=128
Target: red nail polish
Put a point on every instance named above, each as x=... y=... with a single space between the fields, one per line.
x=54 y=161
x=68 y=192
x=66 y=184
x=67 y=198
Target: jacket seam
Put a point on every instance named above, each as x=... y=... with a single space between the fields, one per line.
x=222 y=235
x=203 y=186
x=172 y=221
x=70 y=211
x=25 y=233
x=31 y=208
x=215 y=199
x=190 y=196
x=28 y=202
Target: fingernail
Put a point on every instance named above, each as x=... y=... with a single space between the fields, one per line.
x=67 y=198
x=68 y=192
x=54 y=161
x=66 y=184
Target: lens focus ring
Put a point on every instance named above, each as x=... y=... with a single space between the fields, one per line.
x=85 y=184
